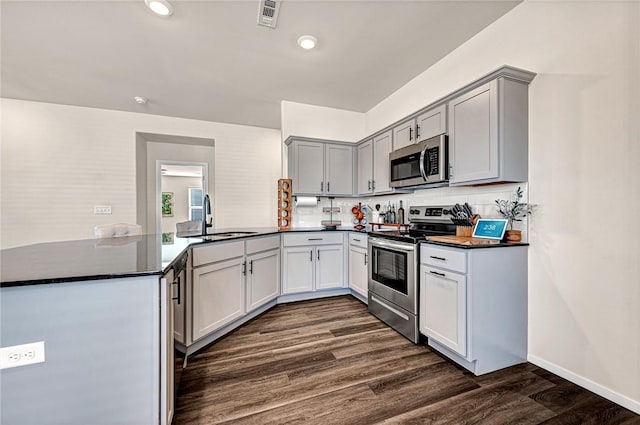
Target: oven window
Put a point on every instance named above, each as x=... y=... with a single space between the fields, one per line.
x=407 y=167
x=390 y=269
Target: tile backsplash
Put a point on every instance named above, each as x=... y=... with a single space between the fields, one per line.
x=480 y=198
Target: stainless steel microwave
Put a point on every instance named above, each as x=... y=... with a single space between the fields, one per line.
x=425 y=163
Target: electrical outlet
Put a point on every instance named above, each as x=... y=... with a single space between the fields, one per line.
x=21 y=355
x=102 y=209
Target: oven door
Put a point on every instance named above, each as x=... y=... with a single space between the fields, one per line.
x=392 y=272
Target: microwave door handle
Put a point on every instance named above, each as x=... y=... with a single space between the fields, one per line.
x=423 y=154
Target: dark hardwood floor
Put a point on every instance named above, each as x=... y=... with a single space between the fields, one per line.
x=329 y=362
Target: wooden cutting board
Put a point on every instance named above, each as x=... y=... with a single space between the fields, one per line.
x=462 y=240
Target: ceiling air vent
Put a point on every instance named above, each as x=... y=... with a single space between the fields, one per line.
x=268 y=14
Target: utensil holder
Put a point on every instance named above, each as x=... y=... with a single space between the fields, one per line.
x=466 y=231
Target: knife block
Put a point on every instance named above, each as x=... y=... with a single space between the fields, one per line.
x=284 y=204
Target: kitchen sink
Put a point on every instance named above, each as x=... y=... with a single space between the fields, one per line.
x=224 y=235
x=232 y=234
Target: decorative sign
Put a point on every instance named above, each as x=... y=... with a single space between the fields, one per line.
x=490 y=228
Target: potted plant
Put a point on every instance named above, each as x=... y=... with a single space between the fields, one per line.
x=513 y=210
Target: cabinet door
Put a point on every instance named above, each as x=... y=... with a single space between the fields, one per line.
x=329 y=263
x=308 y=161
x=431 y=123
x=443 y=308
x=167 y=344
x=338 y=170
x=473 y=141
x=297 y=269
x=403 y=134
x=218 y=296
x=365 y=168
x=358 y=280
x=381 y=151
x=263 y=278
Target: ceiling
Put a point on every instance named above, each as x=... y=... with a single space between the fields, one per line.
x=211 y=61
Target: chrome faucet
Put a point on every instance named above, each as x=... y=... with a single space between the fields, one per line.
x=206 y=209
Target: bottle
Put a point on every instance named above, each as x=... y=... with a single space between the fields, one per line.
x=401 y=214
x=393 y=214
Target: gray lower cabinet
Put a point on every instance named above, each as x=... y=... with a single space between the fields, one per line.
x=229 y=280
x=218 y=295
x=312 y=262
x=319 y=167
x=488 y=134
x=358 y=264
x=473 y=304
x=263 y=278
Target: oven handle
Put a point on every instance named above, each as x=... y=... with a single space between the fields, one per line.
x=423 y=172
x=401 y=247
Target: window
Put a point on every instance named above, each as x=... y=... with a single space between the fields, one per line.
x=195 y=203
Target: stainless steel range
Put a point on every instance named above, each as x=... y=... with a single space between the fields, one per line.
x=393 y=269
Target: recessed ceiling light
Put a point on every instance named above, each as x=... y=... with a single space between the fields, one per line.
x=160 y=7
x=140 y=100
x=307 y=42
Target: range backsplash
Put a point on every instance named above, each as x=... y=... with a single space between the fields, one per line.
x=481 y=198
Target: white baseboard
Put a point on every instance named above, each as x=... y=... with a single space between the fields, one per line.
x=303 y=296
x=616 y=397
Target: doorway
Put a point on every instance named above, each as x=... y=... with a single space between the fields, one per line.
x=181 y=188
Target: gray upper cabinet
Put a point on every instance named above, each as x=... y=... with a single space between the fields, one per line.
x=425 y=126
x=488 y=141
x=365 y=168
x=320 y=168
x=403 y=134
x=431 y=123
x=309 y=157
x=338 y=170
x=373 y=165
x=382 y=146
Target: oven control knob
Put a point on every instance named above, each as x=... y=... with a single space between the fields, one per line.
x=446 y=211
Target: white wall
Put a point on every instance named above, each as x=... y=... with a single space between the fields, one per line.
x=320 y=122
x=584 y=144
x=58 y=161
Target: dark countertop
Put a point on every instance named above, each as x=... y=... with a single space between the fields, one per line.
x=109 y=258
x=496 y=245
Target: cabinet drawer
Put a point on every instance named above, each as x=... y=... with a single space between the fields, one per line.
x=308 y=238
x=263 y=244
x=217 y=252
x=447 y=258
x=358 y=239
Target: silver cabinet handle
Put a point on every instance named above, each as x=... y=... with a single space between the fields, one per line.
x=318 y=255
x=373 y=185
x=439 y=274
x=311 y=255
x=244 y=268
x=417 y=131
x=314 y=239
x=321 y=186
x=438 y=258
x=328 y=190
x=251 y=266
x=357 y=240
x=410 y=133
x=368 y=184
